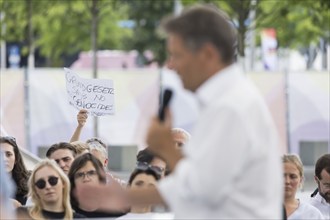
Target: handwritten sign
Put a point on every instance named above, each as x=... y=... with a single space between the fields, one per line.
x=95 y=95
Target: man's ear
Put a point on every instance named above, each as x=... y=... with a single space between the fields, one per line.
x=316 y=179
x=209 y=52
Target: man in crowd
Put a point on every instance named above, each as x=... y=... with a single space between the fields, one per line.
x=231 y=168
x=100 y=150
x=145 y=157
x=321 y=199
x=63 y=153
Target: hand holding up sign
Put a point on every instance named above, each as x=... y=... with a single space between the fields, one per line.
x=82 y=117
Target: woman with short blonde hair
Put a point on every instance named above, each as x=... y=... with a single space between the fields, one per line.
x=49 y=189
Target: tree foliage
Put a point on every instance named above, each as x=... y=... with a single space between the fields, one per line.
x=147 y=15
x=298 y=23
x=64 y=27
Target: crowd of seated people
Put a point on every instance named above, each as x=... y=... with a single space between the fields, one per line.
x=51 y=186
x=66 y=166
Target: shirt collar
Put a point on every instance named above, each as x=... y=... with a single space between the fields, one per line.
x=319 y=198
x=218 y=84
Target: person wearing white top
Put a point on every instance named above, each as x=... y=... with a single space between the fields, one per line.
x=320 y=203
x=305 y=211
x=293 y=179
x=322 y=177
x=230 y=169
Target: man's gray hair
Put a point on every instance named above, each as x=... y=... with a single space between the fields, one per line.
x=98 y=145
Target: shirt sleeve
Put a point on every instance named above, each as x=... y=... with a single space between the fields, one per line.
x=208 y=173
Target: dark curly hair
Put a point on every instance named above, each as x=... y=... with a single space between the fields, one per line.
x=20 y=174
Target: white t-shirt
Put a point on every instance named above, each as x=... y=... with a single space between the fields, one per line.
x=306 y=211
x=319 y=202
x=232 y=167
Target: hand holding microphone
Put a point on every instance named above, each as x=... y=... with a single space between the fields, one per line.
x=164 y=104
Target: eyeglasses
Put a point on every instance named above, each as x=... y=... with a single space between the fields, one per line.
x=82 y=175
x=145 y=166
x=41 y=183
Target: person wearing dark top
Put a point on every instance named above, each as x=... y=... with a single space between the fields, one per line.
x=15 y=167
x=23 y=213
x=87 y=169
x=49 y=189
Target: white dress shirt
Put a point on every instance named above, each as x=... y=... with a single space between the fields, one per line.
x=319 y=202
x=305 y=211
x=232 y=166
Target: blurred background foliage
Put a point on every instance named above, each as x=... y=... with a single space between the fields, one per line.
x=57 y=29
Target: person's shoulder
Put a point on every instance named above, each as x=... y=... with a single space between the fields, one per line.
x=311 y=211
x=78 y=215
x=23 y=212
x=22 y=209
x=314 y=200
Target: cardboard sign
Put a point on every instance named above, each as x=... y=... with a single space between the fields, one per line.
x=95 y=95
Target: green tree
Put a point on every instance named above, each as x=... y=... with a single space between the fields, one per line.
x=299 y=24
x=68 y=27
x=147 y=15
x=63 y=27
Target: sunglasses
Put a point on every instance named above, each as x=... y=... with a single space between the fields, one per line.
x=41 y=183
x=145 y=166
x=82 y=175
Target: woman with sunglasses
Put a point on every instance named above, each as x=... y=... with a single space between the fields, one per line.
x=15 y=167
x=87 y=169
x=49 y=189
x=293 y=179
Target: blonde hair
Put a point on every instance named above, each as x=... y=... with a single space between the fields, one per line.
x=80 y=146
x=36 y=210
x=294 y=159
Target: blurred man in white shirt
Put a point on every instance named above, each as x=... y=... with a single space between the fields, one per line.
x=231 y=168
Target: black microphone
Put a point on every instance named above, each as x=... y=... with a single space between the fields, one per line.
x=164 y=104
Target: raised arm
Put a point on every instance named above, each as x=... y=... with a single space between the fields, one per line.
x=81 y=119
